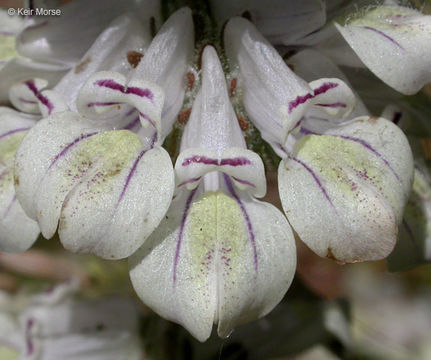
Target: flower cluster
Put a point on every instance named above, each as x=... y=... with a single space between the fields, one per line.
x=83 y=153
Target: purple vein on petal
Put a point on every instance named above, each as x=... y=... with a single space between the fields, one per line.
x=384 y=35
x=199 y=160
x=229 y=185
x=299 y=100
x=189 y=181
x=374 y=151
x=130 y=175
x=9 y=207
x=25 y=101
x=333 y=105
x=113 y=85
x=132 y=124
x=315 y=177
x=42 y=98
x=101 y=103
x=14 y=131
x=180 y=234
x=28 y=339
x=240 y=161
x=244 y=182
x=69 y=146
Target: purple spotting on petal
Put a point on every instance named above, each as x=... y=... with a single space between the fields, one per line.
x=130 y=175
x=316 y=179
x=101 y=103
x=333 y=105
x=9 y=207
x=69 y=146
x=113 y=85
x=132 y=124
x=229 y=185
x=189 y=181
x=42 y=98
x=199 y=160
x=244 y=182
x=14 y=131
x=374 y=151
x=384 y=35
x=240 y=161
x=180 y=234
x=396 y=117
x=28 y=339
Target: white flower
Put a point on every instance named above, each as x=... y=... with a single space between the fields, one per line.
x=55 y=325
x=94 y=175
x=219 y=256
x=344 y=187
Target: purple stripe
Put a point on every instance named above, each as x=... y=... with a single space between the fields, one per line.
x=305 y=131
x=28 y=339
x=132 y=124
x=180 y=234
x=101 y=103
x=69 y=146
x=324 y=88
x=375 y=152
x=111 y=84
x=384 y=35
x=199 y=160
x=244 y=182
x=304 y=98
x=333 y=105
x=298 y=101
x=130 y=175
x=9 y=207
x=240 y=161
x=246 y=217
x=11 y=132
x=316 y=179
x=189 y=181
x=146 y=117
x=42 y=98
x=25 y=101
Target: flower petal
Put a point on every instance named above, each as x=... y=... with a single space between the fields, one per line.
x=274 y=97
x=102 y=186
x=105 y=91
x=17 y=231
x=166 y=62
x=111 y=51
x=399 y=37
x=344 y=192
x=29 y=97
x=414 y=243
x=21 y=69
x=215 y=260
x=281 y=22
x=244 y=167
x=48 y=38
